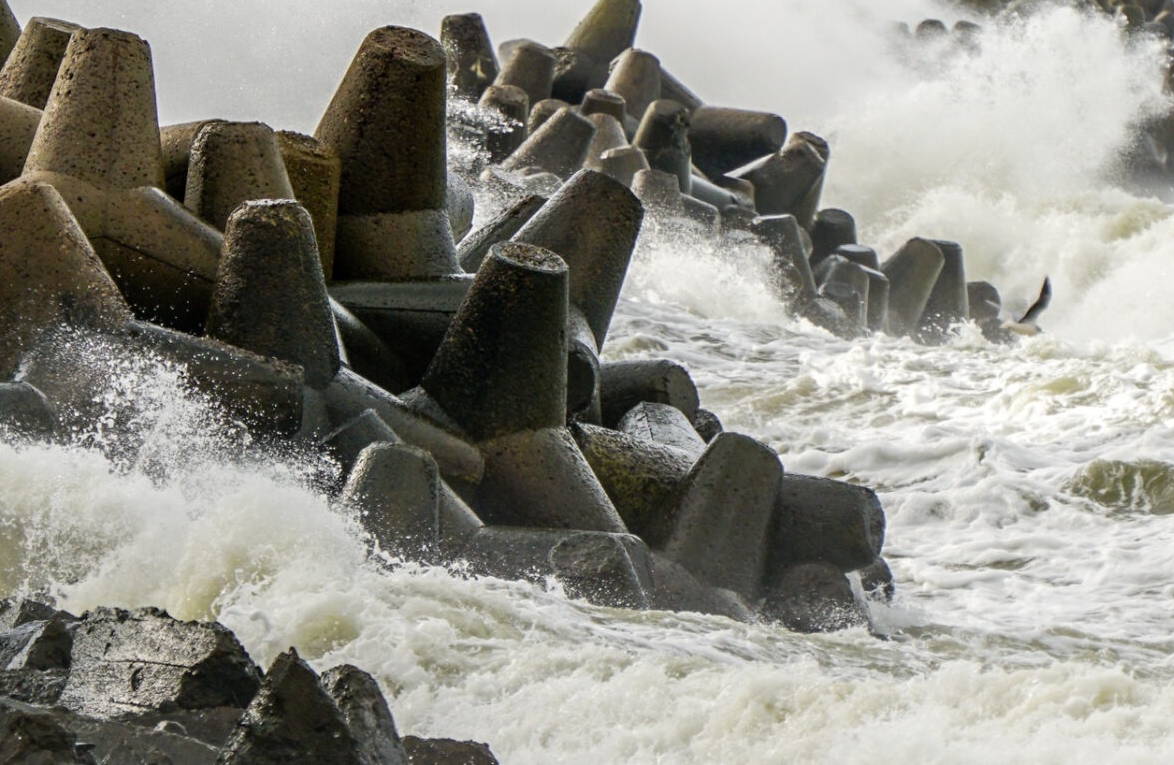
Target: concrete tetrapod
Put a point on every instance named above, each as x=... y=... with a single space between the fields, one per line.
x=592 y=223
x=607 y=30
x=472 y=65
x=18 y=126
x=50 y=276
x=824 y=520
x=314 y=173
x=232 y=163
x=9 y=29
x=624 y=384
x=948 y=302
x=723 y=512
x=531 y=68
x=635 y=75
x=31 y=68
x=270 y=297
x=386 y=122
x=541 y=111
x=99 y=144
x=510 y=107
x=475 y=246
x=791 y=179
x=912 y=272
x=405 y=504
x=663 y=136
x=783 y=235
x=558 y=147
x=724 y=138
x=501 y=367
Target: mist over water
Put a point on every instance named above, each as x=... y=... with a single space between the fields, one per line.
x=1029 y=489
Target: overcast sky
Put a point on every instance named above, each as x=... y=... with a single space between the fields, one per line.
x=279 y=61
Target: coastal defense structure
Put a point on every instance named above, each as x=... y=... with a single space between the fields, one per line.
x=459 y=374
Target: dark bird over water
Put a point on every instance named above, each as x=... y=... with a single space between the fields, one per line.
x=1026 y=325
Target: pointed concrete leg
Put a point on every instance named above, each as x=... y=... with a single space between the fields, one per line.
x=269 y=296
x=386 y=122
x=912 y=272
x=723 y=515
x=502 y=366
x=49 y=273
x=31 y=69
x=232 y=163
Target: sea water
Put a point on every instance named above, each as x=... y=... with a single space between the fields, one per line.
x=1029 y=488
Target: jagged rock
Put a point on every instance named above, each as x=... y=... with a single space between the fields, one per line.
x=132 y=661
x=446 y=751
x=366 y=714
x=34 y=736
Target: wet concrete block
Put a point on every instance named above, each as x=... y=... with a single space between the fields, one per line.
x=813 y=597
x=49 y=274
x=623 y=164
x=575 y=73
x=510 y=107
x=663 y=136
x=349 y=439
x=474 y=247
x=270 y=297
x=540 y=478
x=349 y=395
x=314 y=173
x=824 y=520
x=624 y=384
x=640 y=477
x=784 y=236
x=396 y=490
x=659 y=192
x=635 y=75
x=366 y=353
x=25 y=412
x=460 y=205
x=558 y=147
x=9 y=30
x=31 y=68
x=592 y=223
x=600 y=101
x=502 y=366
x=530 y=67
x=100 y=123
x=707 y=424
x=541 y=111
x=846 y=284
x=606 y=31
x=724 y=138
x=446 y=751
x=876 y=580
x=607 y=569
x=671 y=87
x=409 y=319
x=912 y=273
x=132 y=661
x=790 y=181
x=231 y=163
x=176 y=141
x=831 y=228
x=723 y=512
x=291 y=719
x=986 y=305
x=675 y=589
x=366 y=714
x=386 y=122
x=948 y=303
x=471 y=63
x=609 y=134
x=662 y=424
